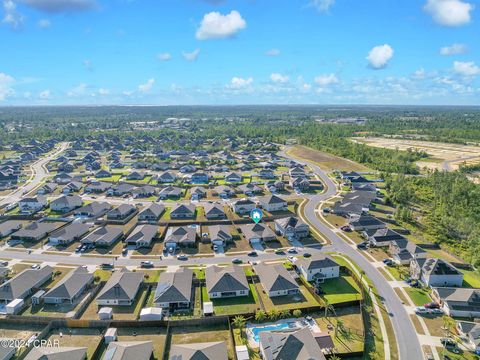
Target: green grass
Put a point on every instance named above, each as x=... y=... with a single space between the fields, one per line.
x=340 y=290
x=234 y=305
x=418 y=296
x=471 y=278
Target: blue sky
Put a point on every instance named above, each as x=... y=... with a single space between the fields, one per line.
x=167 y=52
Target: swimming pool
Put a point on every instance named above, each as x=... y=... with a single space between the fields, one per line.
x=278 y=326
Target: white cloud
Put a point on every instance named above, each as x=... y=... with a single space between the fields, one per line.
x=44 y=23
x=6 y=82
x=78 y=90
x=453 y=49
x=419 y=74
x=58 y=6
x=467 y=68
x=12 y=17
x=103 y=91
x=87 y=64
x=164 y=56
x=191 y=56
x=45 y=94
x=145 y=88
x=240 y=83
x=322 y=5
x=278 y=78
x=217 y=26
x=449 y=12
x=379 y=56
x=272 y=52
x=326 y=79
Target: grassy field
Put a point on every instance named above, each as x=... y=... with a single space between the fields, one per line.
x=340 y=290
x=78 y=337
x=200 y=334
x=418 y=296
x=234 y=305
x=288 y=302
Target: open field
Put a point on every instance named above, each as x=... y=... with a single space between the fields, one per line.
x=326 y=161
x=442 y=155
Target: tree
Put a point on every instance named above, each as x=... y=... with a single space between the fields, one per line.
x=328 y=308
x=239 y=322
x=273 y=314
x=284 y=314
x=448 y=324
x=340 y=327
x=260 y=315
x=297 y=313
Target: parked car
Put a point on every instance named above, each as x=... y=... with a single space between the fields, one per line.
x=432 y=305
x=436 y=311
x=252 y=253
x=106 y=266
x=215 y=248
x=362 y=246
x=388 y=262
x=124 y=251
x=182 y=257
x=35 y=266
x=3 y=263
x=279 y=252
x=146 y=264
x=326 y=210
x=237 y=261
x=307 y=255
x=421 y=310
x=346 y=228
x=292 y=251
x=450 y=345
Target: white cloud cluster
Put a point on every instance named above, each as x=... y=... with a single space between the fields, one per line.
x=454 y=49
x=45 y=94
x=146 y=87
x=12 y=17
x=466 y=68
x=278 y=78
x=44 y=23
x=77 y=91
x=272 y=52
x=164 y=56
x=191 y=56
x=6 y=82
x=240 y=83
x=449 y=12
x=379 y=56
x=217 y=26
x=322 y=5
x=326 y=79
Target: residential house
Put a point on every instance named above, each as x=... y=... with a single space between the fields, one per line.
x=103 y=174
x=68 y=234
x=185 y=169
x=97 y=187
x=257 y=233
x=249 y=189
x=129 y=350
x=34 y=231
x=219 y=235
x=366 y=222
x=458 y=302
x=207 y=351
x=121 y=288
x=8 y=227
x=233 y=178
x=170 y=192
x=151 y=213
x=174 y=290
x=435 y=272
x=122 y=212
x=31 y=205
x=70 y=288
x=56 y=353
x=145 y=191
x=276 y=280
x=242 y=206
x=136 y=175
x=182 y=211
x=198 y=193
x=66 y=203
x=382 y=237
x=318 y=268
x=272 y=203
x=121 y=189
x=104 y=236
x=142 y=236
x=291 y=345
x=223 y=282
x=180 y=236
x=48 y=188
x=274 y=186
x=214 y=211
x=71 y=187
x=292 y=228
x=403 y=251
x=166 y=177
x=471 y=332
x=299 y=183
x=266 y=174
x=25 y=283
x=297 y=171
x=199 y=178
x=224 y=191
x=93 y=210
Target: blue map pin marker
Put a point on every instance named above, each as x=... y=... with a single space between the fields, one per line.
x=256 y=215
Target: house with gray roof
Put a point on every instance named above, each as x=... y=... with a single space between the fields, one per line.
x=199 y=351
x=142 y=236
x=57 y=353
x=292 y=228
x=31 y=205
x=197 y=192
x=170 y=192
x=166 y=177
x=34 y=231
x=471 y=332
x=272 y=203
x=214 y=211
x=229 y=281
x=97 y=187
x=318 y=267
x=121 y=289
x=95 y=209
x=25 y=283
x=403 y=251
x=129 y=350
x=257 y=233
x=151 y=213
x=383 y=236
x=366 y=222
x=104 y=236
x=66 y=203
x=121 y=189
x=182 y=211
x=249 y=189
x=458 y=302
x=174 y=290
x=219 y=234
x=68 y=234
x=292 y=345
x=180 y=236
x=242 y=206
x=8 y=227
x=70 y=288
x=122 y=213
x=435 y=272
x=276 y=280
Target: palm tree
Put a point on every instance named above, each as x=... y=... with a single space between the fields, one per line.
x=334 y=357
x=260 y=315
x=284 y=314
x=297 y=313
x=328 y=308
x=340 y=327
x=273 y=314
x=239 y=322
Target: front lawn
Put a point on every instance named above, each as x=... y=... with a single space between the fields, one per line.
x=340 y=290
x=418 y=296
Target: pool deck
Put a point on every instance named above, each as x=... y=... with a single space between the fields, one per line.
x=299 y=323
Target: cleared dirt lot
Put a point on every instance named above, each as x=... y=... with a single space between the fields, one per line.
x=443 y=155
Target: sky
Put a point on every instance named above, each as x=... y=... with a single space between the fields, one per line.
x=216 y=52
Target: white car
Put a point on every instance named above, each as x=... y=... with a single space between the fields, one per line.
x=422 y=310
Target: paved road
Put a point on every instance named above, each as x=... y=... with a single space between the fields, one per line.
x=39 y=172
x=408 y=343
